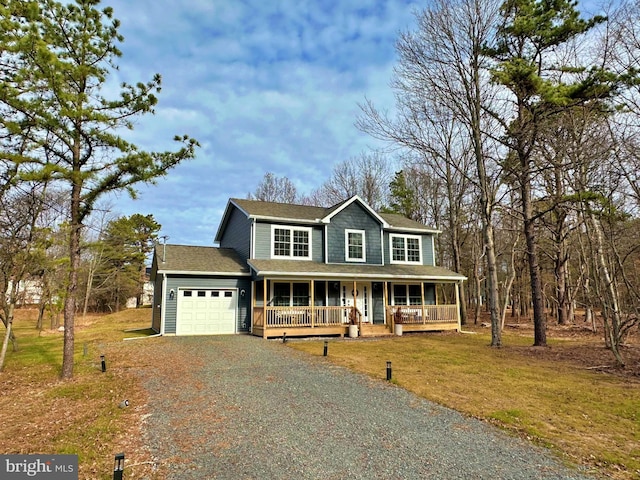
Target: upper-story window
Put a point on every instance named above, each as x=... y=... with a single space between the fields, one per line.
x=355 y=248
x=291 y=242
x=406 y=248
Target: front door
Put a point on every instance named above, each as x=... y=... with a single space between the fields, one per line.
x=362 y=295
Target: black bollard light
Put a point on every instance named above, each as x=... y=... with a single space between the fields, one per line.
x=118 y=467
x=284 y=337
x=326 y=347
x=388 y=371
x=104 y=363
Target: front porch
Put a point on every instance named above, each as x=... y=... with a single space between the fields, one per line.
x=323 y=320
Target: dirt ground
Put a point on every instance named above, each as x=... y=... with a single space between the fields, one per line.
x=586 y=349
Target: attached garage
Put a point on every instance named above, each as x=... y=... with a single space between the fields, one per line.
x=206 y=312
x=200 y=291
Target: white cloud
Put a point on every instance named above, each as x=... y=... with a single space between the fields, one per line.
x=264 y=86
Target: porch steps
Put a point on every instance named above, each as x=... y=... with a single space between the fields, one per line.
x=368 y=330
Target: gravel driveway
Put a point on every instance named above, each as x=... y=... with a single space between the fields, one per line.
x=239 y=407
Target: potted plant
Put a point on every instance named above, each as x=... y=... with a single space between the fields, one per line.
x=353 y=322
x=397 y=323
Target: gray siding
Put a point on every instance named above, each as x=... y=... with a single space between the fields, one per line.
x=263 y=242
x=176 y=282
x=237 y=234
x=427 y=249
x=353 y=217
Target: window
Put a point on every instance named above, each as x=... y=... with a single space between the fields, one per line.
x=355 y=248
x=405 y=249
x=407 y=295
x=287 y=294
x=291 y=243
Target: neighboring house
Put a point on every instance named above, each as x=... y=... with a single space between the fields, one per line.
x=300 y=270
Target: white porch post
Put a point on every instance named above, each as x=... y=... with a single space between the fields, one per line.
x=422 y=301
x=313 y=303
x=264 y=303
x=458 y=305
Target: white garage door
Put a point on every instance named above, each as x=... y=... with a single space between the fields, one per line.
x=206 y=312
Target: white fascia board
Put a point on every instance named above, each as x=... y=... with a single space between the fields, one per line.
x=192 y=272
x=359 y=275
x=413 y=230
x=285 y=220
x=355 y=198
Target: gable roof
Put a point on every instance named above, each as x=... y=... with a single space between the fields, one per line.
x=279 y=211
x=187 y=259
x=333 y=211
x=307 y=214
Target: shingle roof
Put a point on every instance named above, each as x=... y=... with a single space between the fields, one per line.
x=191 y=259
x=280 y=210
x=288 y=211
x=379 y=272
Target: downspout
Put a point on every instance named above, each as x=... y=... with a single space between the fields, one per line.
x=163 y=304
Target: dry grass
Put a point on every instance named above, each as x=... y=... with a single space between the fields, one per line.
x=587 y=417
x=546 y=395
x=43 y=414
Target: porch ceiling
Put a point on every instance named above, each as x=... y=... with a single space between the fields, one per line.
x=297 y=268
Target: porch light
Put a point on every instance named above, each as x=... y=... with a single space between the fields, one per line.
x=118 y=467
x=172 y=293
x=243 y=292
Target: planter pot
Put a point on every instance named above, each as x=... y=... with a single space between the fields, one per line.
x=353 y=331
x=397 y=329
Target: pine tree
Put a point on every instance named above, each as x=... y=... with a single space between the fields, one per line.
x=57 y=59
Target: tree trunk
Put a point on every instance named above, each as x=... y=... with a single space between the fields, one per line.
x=8 y=334
x=539 y=320
x=72 y=287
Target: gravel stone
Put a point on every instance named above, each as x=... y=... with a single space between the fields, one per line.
x=247 y=408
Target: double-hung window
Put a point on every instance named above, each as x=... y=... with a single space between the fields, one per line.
x=406 y=248
x=291 y=242
x=355 y=248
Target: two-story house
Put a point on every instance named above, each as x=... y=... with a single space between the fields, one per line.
x=302 y=270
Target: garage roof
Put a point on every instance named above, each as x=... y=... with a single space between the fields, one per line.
x=191 y=260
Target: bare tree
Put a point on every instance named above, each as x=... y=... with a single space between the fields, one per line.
x=441 y=75
x=275 y=189
x=367 y=175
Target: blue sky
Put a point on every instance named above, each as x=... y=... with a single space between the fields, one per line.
x=263 y=85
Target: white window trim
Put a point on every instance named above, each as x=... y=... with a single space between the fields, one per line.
x=405 y=237
x=291 y=230
x=346 y=246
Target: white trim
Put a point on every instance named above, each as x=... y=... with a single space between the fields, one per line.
x=433 y=250
x=291 y=229
x=347 y=258
x=204 y=272
x=353 y=199
x=163 y=304
x=405 y=261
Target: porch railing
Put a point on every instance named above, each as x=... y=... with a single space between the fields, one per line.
x=273 y=317
x=304 y=316
x=422 y=314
